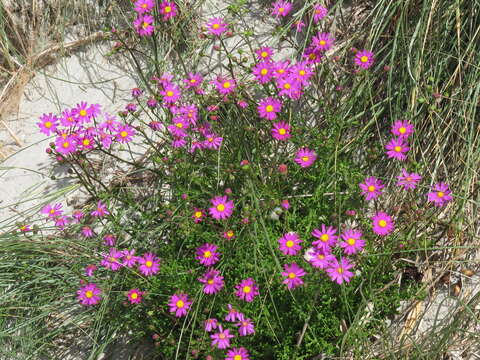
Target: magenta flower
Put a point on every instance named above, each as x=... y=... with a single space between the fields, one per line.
x=339 y=271
x=129 y=258
x=382 y=223
x=171 y=93
x=371 y=188
x=289 y=244
x=302 y=72
x=298 y=25
x=281 y=68
x=321 y=259
x=327 y=238
x=68 y=118
x=212 y=281
x=100 y=211
x=237 y=354
x=229 y=235
x=397 y=148
x=269 y=107
x=193 y=80
x=144 y=25
x=222 y=207
x=179 y=126
x=247 y=290
x=264 y=53
x=233 y=314
x=224 y=86
x=245 y=326
x=124 y=133
x=135 y=296
x=143 y=6
x=48 y=124
x=210 y=324
x=292 y=273
x=149 y=264
x=323 y=41
x=402 y=128
x=52 y=211
x=305 y=157
x=263 y=72
x=61 y=222
x=87 y=232
x=319 y=12
x=111 y=260
x=281 y=8
x=408 y=181
x=364 y=59
x=440 y=194
x=198 y=215
x=221 y=339
x=216 y=26
x=168 y=9
x=89 y=269
x=212 y=142
x=289 y=86
x=109 y=240
x=312 y=55
x=179 y=304
x=281 y=131
x=352 y=241
x=207 y=254
x=89 y=294
x=83 y=112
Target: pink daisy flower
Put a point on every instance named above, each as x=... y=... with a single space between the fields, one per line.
x=263 y=72
x=168 y=9
x=264 y=53
x=382 y=223
x=87 y=232
x=179 y=126
x=144 y=25
x=193 y=80
x=171 y=93
x=68 y=118
x=281 y=131
x=210 y=324
x=89 y=294
x=321 y=259
x=143 y=6
x=61 y=222
x=149 y=264
x=245 y=326
x=298 y=25
x=233 y=314
x=269 y=107
x=402 y=128
x=352 y=241
x=89 y=269
x=111 y=260
x=82 y=112
x=52 y=211
x=135 y=296
x=364 y=59
x=323 y=41
x=129 y=258
x=319 y=12
x=408 y=181
x=48 y=124
x=222 y=207
x=216 y=26
x=224 y=86
x=440 y=194
x=124 y=133
x=229 y=235
x=289 y=86
x=292 y=273
x=109 y=240
x=371 y=188
x=179 y=304
x=221 y=339
x=281 y=8
x=100 y=211
x=289 y=244
x=305 y=157
x=247 y=290
x=66 y=145
x=198 y=215
x=207 y=254
x=212 y=142
x=237 y=354
x=397 y=148
x=339 y=271
x=327 y=238
x=281 y=68
x=212 y=281
x=312 y=55
x=302 y=72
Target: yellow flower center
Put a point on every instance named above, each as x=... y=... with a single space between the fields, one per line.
x=263 y=54
x=292 y=275
x=220 y=207
x=70 y=119
x=321 y=256
x=324 y=237
x=83 y=112
x=340 y=270
x=145 y=24
x=210 y=281
x=302 y=72
x=397 y=148
x=66 y=144
x=48 y=124
x=207 y=254
x=289 y=243
x=351 y=241
x=264 y=71
x=371 y=188
x=269 y=108
x=281 y=71
x=124 y=134
x=382 y=223
x=144 y=5
x=179 y=125
x=89 y=294
x=402 y=130
x=287 y=86
x=169 y=93
x=221 y=336
x=312 y=56
x=52 y=211
x=210 y=139
x=230 y=233
x=322 y=42
x=440 y=194
x=86 y=142
x=180 y=304
x=134 y=295
x=247 y=289
x=226 y=84
x=237 y=357
x=198 y=214
x=148 y=263
x=193 y=81
x=167 y=9
x=409 y=178
x=215 y=26
x=281 y=10
x=305 y=158
x=282 y=131
x=364 y=59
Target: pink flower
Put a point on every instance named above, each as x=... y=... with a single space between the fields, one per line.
x=281 y=8
x=61 y=222
x=323 y=41
x=89 y=269
x=281 y=131
x=168 y=9
x=193 y=80
x=212 y=142
x=233 y=315
x=212 y=281
x=179 y=304
x=66 y=145
x=83 y=112
x=224 y=86
x=302 y=72
x=246 y=290
x=319 y=12
x=89 y=294
x=198 y=215
x=397 y=148
x=440 y=194
x=269 y=107
x=298 y=25
x=52 y=211
x=124 y=133
x=229 y=235
x=245 y=326
x=143 y=6
x=289 y=86
x=68 y=118
x=143 y=25
x=48 y=124
x=364 y=59
x=293 y=273
x=263 y=72
x=321 y=259
x=111 y=260
x=135 y=296
x=109 y=240
x=285 y=204
x=222 y=207
x=216 y=26
x=371 y=188
x=382 y=223
x=221 y=339
x=129 y=258
x=327 y=238
x=264 y=53
x=339 y=271
x=207 y=254
x=408 y=181
x=179 y=126
x=149 y=264
x=281 y=68
x=305 y=157
x=171 y=93
x=289 y=243
x=87 y=232
x=402 y=128
x=210 y=324
x=312 y=55
x=100 y=211
x=352 y=242
x=237 y=354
